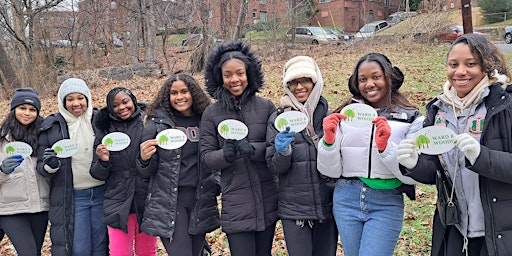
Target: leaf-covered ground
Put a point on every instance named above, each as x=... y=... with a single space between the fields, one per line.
x=424 y=69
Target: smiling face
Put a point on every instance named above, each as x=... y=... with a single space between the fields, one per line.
x=234 y=76
x=372 y=84
x=25 y=114
x=464 y=70
x=301 y=88
x=76 y=103
x=180 y=97
x=123 y=105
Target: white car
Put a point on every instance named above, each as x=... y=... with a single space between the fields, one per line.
x=369 y=29
x=311 y=35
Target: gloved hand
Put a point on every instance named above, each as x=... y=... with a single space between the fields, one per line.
x=230 y=150
x=382 y=132
x=50 y=158
x=283 y=140
x=469 y=146
x=245 y=148
x=406 y=153
x=330 y=125
x=10 y=163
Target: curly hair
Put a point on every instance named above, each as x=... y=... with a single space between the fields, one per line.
x=392 y=75
x=489 y=56
x=162 y=101
x=28 y=134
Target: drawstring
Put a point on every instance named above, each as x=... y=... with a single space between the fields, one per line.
x=465 y=245
x=300 y=223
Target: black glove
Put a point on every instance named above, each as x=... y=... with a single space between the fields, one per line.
x=230 y=150
x=10 y=163
x=50 y=158
x=245 y=148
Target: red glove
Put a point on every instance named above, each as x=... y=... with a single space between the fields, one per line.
x=331 y=123
x=382 y=133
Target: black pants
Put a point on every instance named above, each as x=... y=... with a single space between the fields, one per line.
x=183 y=243
x=454 y=241
x=255 y=243
x=26 y=231
x=303 y=240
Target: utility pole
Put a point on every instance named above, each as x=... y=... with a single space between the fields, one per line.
x=467 y=21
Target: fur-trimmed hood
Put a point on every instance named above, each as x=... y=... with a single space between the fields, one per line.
x=103 y=119
x=213 y=73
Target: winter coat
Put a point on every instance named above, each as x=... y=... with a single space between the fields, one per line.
x=126 y=189
x=62 y=212
x=249 y=189
x=492 y=166
x=24 y=190
x=163 y=169
x=358 y=146
x=303 y=193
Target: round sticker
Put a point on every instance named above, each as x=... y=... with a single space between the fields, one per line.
x=116 y=141
x=171 y=139
x=65 y=148
x=18 y=148
x=359 y=115
x=434 y=140
x=296 y=120
x=231 y=129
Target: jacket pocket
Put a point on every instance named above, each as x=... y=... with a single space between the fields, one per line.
x=14 y=189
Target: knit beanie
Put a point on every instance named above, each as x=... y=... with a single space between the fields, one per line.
x=73 y=85
x=26 y=96
x=300 y=66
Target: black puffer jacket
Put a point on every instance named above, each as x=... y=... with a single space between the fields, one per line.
x=126 y=189
x=163 y=170
x=493 y=167
x=303 y=193
x=62 y=210
x=249 y=188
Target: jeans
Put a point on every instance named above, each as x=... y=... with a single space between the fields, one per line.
x=122 y=244
x=369 y=220
x=90 y=234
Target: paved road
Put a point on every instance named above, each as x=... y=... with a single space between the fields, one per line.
x=505 y=47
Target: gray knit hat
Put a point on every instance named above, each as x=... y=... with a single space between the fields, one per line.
x=73 y=85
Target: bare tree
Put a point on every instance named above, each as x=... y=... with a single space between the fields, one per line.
x=237 y=34
x=8 y=77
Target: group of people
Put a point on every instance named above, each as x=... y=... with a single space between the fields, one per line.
x=329 y=179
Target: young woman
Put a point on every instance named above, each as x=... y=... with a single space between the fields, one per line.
x=76 y=198
x=249 y=189
x=475 y=106
x=305 y=197
x=24 y=194
x=176 y=177
x=368 y=200
x=126 y=192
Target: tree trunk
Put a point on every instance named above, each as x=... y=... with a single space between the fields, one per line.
x=241 y=19
x=10 y=79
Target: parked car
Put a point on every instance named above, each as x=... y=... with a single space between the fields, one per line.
x=341 y=35
x=507 y=35
x=369 y=29
x=311 y=35
x=397 y=17
x=450 y=33
x=196 y=39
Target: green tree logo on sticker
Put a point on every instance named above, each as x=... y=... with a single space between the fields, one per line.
x=9 y=150
x=58 y=150
x=109 y=142
x=162 y=140
x=350 y=114
x=422 y=142
x=224 y=129
x=281 y=123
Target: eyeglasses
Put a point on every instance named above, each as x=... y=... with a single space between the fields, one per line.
x=304 y=82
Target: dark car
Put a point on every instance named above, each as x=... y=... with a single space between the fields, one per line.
x=507 y=35
x=451 y=33
x=341 y=36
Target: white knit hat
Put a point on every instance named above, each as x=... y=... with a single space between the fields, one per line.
x=73 y=85
x=300 y=66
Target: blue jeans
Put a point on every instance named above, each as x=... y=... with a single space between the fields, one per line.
x=90 y=234
x=369 y=220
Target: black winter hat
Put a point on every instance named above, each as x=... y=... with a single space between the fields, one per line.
x=26 y=96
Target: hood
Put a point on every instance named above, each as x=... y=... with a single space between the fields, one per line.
x=213 y=75
x=103 y=119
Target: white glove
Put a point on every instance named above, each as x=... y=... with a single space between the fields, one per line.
x=469 y=146
x=406 y=154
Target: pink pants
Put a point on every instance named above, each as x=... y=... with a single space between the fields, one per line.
x=121 y=243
